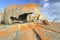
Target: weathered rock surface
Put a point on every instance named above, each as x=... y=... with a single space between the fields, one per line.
x=17 y=10
x=1 y=16
x=30 y=31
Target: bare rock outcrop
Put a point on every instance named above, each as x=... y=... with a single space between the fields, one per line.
x=31 y=31
x=24 y=11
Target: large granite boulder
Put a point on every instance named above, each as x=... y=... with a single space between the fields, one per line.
x=17 y=10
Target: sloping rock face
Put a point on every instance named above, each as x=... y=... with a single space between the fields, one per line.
x=30 y=31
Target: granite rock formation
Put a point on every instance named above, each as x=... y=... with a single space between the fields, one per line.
x=40 y=29
x=30 y=31
x=17 y=10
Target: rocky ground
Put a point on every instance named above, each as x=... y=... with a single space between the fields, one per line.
x=30 y=31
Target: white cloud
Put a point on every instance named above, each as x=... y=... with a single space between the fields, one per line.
x=46 y=0
x=52 y=12
x=46 y=4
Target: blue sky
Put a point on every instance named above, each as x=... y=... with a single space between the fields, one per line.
x=4 y=3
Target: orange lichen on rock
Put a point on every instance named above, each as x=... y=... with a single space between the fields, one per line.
x=31 y=6
x=45 y=32
x=24 y=27
x=3 y=32
x=33 y=31
x=27 y=33
x=38 y=30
